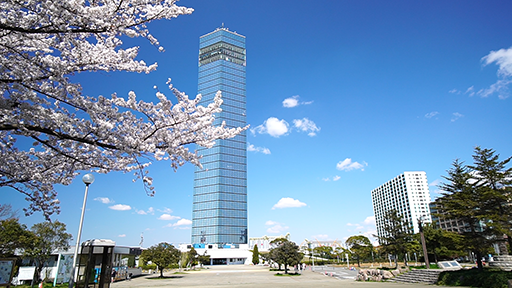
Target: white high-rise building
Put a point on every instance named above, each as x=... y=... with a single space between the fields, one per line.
x=408 y=194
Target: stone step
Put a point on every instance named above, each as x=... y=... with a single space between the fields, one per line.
x=418 y=276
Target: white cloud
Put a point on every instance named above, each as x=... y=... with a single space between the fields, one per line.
x=456 y=116
x=121 y=236
x=454 y=91
x=168 y=217
x=370 y=220
x=276 y=227
x=183 y=222
x=291 y=101
x=347 y=165
x=272 y=126
x=306 y=125
x=288 y=202
x=165 y=210
x=500 y=87
x=435 y=183
x=435 y=192
x=502 y=58
x=431 y=114
x=335 y=178
x=120 y=207
x=470 y=91
x=253 y=148
x=151 y=211
x=104 y=200
x=366 y=228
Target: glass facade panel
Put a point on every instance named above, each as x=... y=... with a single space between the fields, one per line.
x=220 y=189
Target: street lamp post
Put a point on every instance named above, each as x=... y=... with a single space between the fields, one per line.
x=87 y=179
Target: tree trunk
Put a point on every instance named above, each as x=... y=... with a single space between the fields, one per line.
x=285 y=268
x=479 y=261
x=358 y=265
x=396 y=261
x=509 y=240
x=161 y=271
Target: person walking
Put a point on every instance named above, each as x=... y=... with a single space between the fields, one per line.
x=114 y=273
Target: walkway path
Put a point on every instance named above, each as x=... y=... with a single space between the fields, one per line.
x=251 y=276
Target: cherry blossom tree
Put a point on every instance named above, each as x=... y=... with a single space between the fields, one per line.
x=50 y=131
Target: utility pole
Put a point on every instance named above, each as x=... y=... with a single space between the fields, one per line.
x=425 y=254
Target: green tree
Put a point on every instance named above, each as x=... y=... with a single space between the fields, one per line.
x=494 y=182
x=255 y=255
x=462 y=200
x=162 y=254
x=204 y=259
x=360 y=246
x=441 y=243
x=340 y=252
x=50 y=236
x=14 y=235
x=287 y=253
x=397 y=239
x=325 y=252
x=192 y=257
x=266 y=257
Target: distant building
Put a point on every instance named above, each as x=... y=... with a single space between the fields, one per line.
x=309 y=244
x=219 y=213
x=264 y=244
x=408 y=194
x=449 y=224
x=222 y=254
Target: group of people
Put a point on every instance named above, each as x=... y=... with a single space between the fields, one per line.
x=114 y=274
x=299 y=267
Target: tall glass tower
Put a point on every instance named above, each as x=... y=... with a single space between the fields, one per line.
x=219 y=213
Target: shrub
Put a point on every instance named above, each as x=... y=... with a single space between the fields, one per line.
x=488 y=278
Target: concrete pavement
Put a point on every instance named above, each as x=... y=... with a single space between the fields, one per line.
x=251 y=276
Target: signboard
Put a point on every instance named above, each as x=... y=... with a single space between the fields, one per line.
x=26 y=273
x=6 y=266
x=64 y=267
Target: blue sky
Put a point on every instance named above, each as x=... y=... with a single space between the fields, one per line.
x=381 y=87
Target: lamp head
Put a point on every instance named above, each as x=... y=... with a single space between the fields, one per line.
x=88 y=178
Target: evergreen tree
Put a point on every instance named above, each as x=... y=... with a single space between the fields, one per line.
x=255 y=255
x=191 y=256
x=494 y=181
x=398 y=239
x=462 y=200
x=204 y=259
x=441 y=243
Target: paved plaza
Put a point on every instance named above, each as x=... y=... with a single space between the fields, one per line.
x=255 y=276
